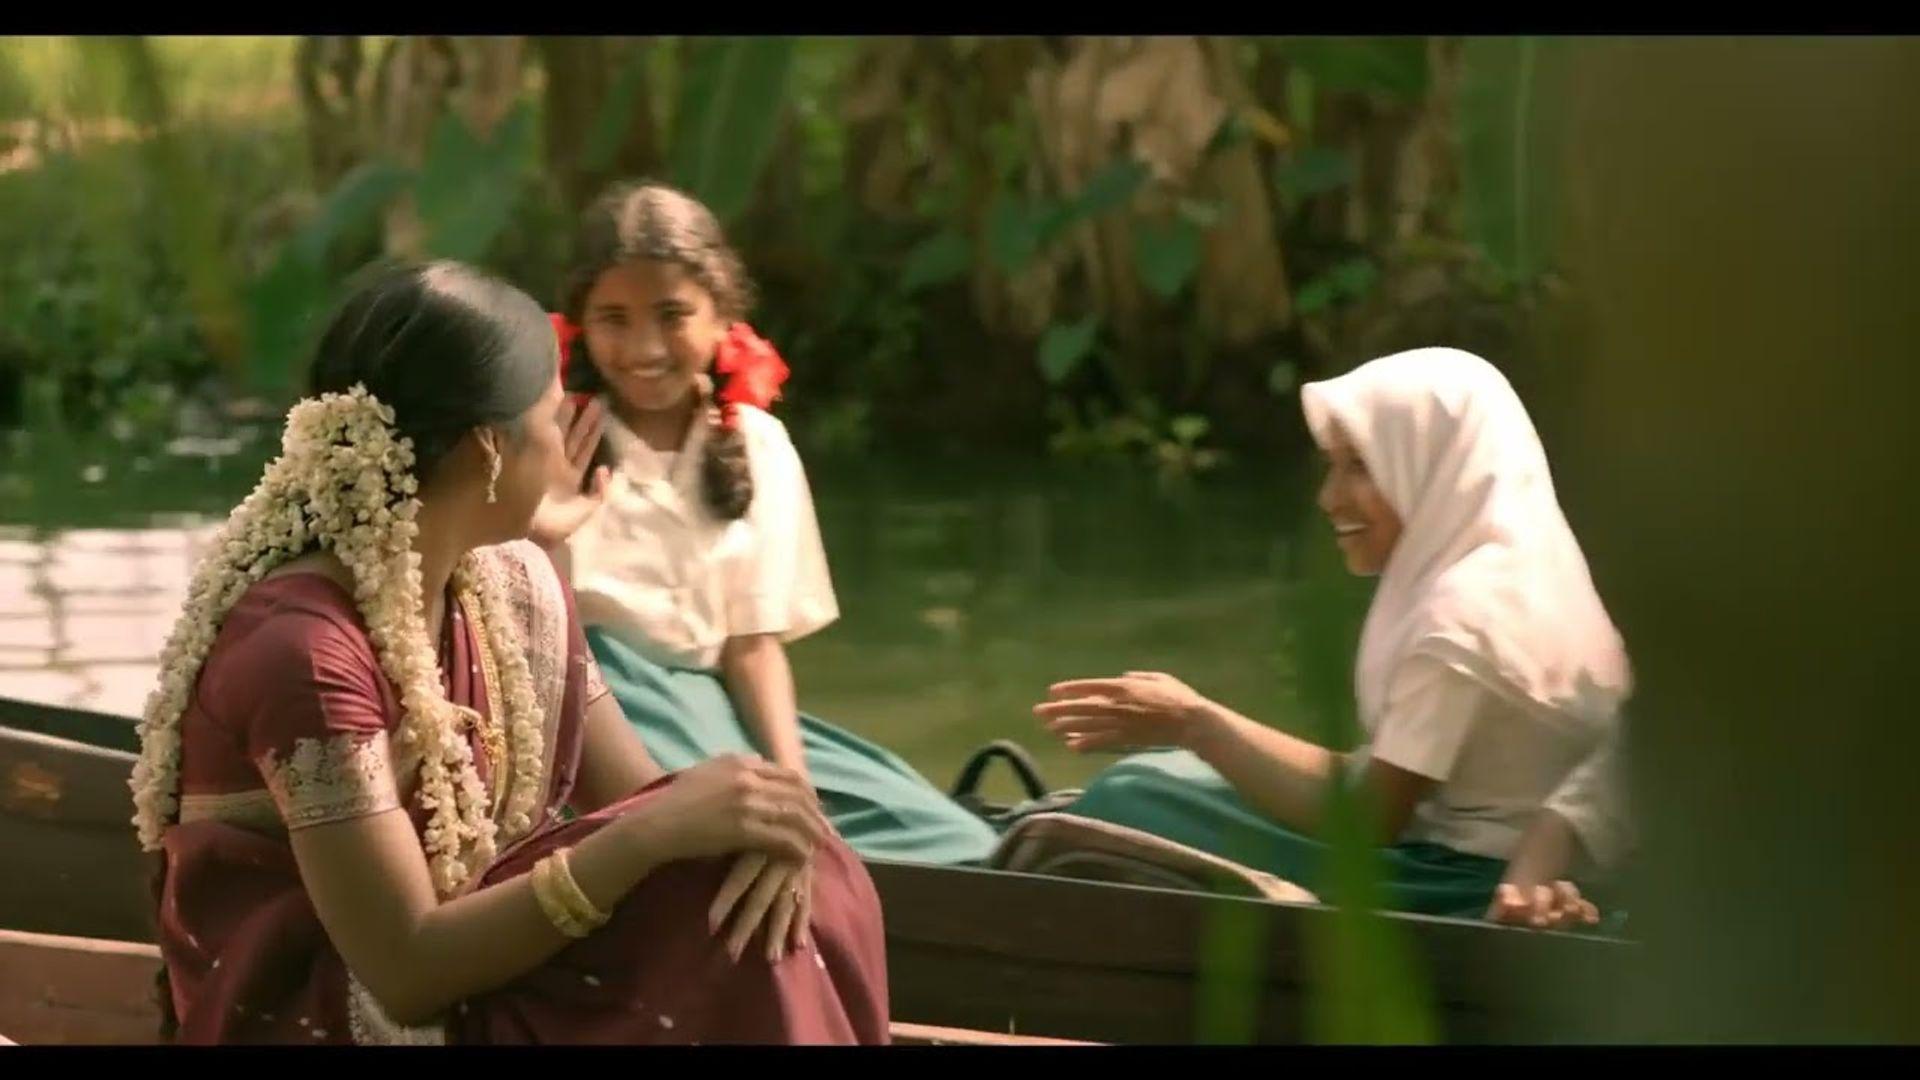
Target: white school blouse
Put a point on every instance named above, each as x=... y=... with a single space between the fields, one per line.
x=657 y=569
x=1593 y=802
x=1496 y=760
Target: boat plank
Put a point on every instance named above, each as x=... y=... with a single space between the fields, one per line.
x=1119 y=963
x=76 y=991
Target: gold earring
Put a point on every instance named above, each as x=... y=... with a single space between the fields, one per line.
x=493 y=474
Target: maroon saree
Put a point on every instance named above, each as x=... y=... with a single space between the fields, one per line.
x=290 y=725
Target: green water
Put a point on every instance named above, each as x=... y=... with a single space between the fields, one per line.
x=964 y=590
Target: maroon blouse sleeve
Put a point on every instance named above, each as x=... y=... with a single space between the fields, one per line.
x=304 y=689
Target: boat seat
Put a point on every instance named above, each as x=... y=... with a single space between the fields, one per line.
x=1085 y=849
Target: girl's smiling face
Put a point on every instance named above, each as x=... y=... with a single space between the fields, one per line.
x=651 y=330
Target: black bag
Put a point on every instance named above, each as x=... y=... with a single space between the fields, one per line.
x=1002 y=816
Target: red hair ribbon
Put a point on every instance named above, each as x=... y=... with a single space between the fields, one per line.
x=566 y=332
x=753 y=368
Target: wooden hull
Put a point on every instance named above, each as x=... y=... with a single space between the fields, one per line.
x=967 y=949
x=64 y=991
x=75 y=991
x=1114 y=963
x=66 y=824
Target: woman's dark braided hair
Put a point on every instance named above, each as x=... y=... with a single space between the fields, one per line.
x=637 y=220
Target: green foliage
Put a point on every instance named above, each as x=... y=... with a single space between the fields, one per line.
x=943 y=257
x=1393 y=66
x=617 y=113
x=1167 y=254
x=1347 y=280
x=1065 y=346
x=137 y=263
x=1234 y=947
x=727 y=117
x=1374 y=991
x=1171 y=447
x=1313 y=170
x=285 y=302
x=1508 y=142
x=466 y=188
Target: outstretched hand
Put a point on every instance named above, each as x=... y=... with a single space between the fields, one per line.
x=1137 y=709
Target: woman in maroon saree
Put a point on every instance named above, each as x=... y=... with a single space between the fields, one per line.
x=293 y=908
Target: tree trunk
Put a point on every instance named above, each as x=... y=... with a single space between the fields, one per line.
x=1242 y=285
x=416 y=74
x=487 y=79
x=585 y=75
x=420 y=79
x=1160 y=101
x=879 y=164
x=327 y=71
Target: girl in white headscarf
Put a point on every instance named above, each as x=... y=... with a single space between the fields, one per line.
x=1488 y=668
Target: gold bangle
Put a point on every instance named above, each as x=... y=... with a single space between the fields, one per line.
x=578 y=903
x=555 y=909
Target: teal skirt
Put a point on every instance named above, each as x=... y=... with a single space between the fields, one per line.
x=1175 y=795
x=877 y=802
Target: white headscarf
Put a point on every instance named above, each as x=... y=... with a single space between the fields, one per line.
x=1487 y=576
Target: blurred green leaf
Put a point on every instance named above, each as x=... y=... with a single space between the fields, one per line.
x=1355 y=277
x=1064 y=346
x=1300 y=101
x=282 y=306
x=358 y=198
x=1016 y=230
x=1282 y=378
x=1314 y=170
x=1167 y=255
x=1233 y=129
x=467 y=188
x=1369 y=989
x=16 y=94
x=615 y=117
x=1110 y=188
x=1315 y=296
x=1390 y=65
x=938 y=259
x=1188 y=429
x=193 y=240
x=1233 y=952
x=1507 y=144
x=1345 y=281
x=728 y=117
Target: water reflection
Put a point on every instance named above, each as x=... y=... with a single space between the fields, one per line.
x=964 y=593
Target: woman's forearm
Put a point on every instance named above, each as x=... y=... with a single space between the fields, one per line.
x=419 y=960
x=760 y=681
x=1283 y=777
x=614 y=761
x=487 y=938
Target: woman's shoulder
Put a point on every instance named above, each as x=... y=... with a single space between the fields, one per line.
x=526 y=572
x=306 y=621
x=516 y=553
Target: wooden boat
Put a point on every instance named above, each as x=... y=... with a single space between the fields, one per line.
x=975 y=950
